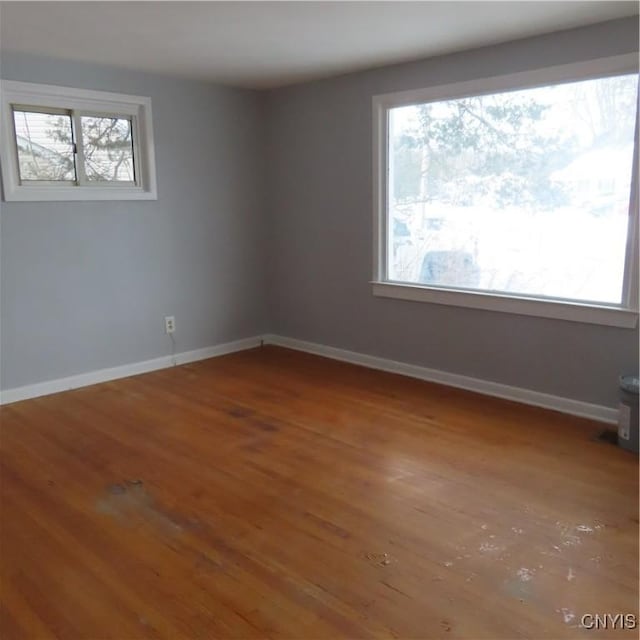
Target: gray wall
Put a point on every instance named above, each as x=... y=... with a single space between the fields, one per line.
x=319 y=150
x=85 y=285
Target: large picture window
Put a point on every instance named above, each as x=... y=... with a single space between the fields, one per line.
x=517 y=198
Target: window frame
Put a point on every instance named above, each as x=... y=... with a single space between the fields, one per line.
x=623 y=315
x=78 y=103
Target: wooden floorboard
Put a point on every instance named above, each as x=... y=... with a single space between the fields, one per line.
x=275 y=494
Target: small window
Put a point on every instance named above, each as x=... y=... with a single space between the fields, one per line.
x=518 y=194
x=71 y=144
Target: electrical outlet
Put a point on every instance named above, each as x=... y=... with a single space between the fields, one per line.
x=169 y=324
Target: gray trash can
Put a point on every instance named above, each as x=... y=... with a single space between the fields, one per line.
x=628 y=413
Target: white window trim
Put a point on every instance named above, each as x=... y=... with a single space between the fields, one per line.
x=623 y=315
x=79 y=101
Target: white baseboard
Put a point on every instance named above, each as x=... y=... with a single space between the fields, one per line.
x=124 y=371
x=518 y=394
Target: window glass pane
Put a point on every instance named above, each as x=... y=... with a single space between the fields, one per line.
x=108 y=149
x=523 y=192
x=45 y=146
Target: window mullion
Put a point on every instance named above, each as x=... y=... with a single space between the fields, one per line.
x=81 y=174
x=135 y=149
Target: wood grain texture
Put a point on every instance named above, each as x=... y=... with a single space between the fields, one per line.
x=276 y=494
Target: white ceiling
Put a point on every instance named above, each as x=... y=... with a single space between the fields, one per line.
x=270 y=44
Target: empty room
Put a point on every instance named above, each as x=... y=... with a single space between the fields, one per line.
x=319 y=320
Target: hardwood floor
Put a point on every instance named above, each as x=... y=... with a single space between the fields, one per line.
x=276 y=494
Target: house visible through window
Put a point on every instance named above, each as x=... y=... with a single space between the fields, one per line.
x=522 y=193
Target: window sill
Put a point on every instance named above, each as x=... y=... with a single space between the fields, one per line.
x=572 y=312
x=58 y=194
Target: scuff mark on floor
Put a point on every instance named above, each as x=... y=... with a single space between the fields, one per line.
x=516 y=588
x=390 y=586
x=567 y=615
x=380 y=559
x=525 y=574
x=130 y=500
x=569 y=539
x=584 y=528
